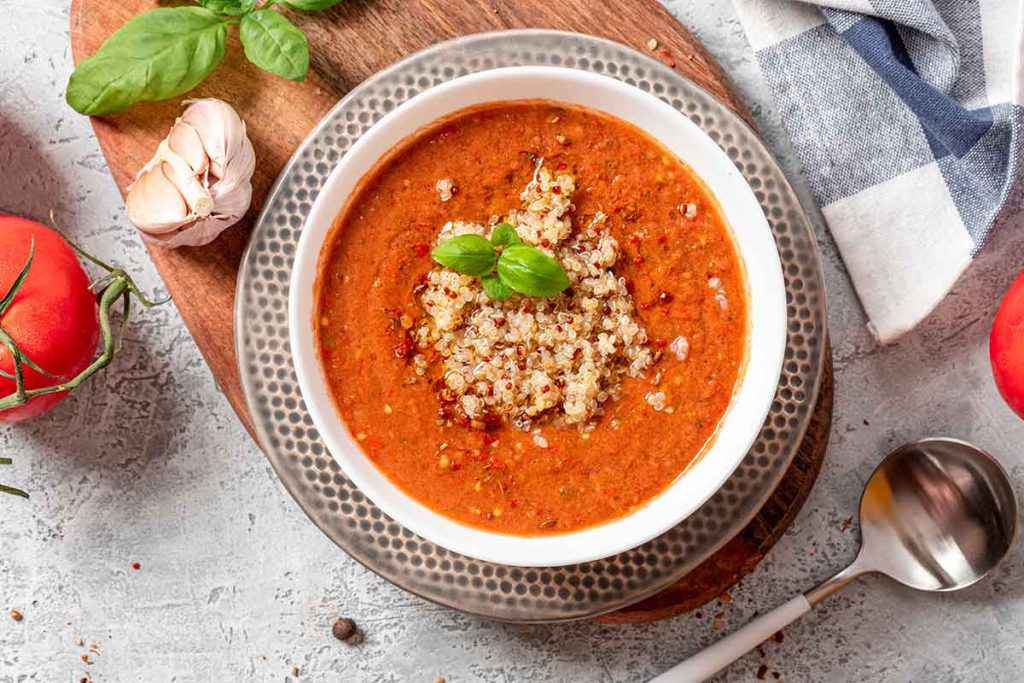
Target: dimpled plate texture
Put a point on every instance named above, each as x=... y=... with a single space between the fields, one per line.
x=292 y=444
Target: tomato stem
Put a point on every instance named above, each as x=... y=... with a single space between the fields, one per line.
x=10 y=489
x=113 y=285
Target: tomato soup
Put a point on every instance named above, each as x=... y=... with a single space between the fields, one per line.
x=532 y=415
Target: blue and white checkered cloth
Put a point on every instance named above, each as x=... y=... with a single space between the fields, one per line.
x=907 y=117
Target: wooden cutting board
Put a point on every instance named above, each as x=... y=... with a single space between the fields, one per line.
x=349 y=43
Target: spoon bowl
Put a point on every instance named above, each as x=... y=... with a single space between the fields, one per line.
x=937 y=515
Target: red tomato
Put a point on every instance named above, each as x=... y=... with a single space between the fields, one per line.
x=1006 y=346
x=53 y=318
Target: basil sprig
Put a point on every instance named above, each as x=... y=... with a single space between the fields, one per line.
x=167 y=51
x=504 y=264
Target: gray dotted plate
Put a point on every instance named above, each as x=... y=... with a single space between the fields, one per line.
x=292 y=444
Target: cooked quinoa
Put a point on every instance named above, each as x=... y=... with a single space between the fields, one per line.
x=529 y=360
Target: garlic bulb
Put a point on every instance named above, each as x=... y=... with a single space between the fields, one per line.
x=199 y=181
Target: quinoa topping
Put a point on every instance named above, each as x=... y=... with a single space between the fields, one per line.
x=528 y=360
x=445 y=189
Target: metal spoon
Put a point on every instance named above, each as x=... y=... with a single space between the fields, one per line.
x=936 y=515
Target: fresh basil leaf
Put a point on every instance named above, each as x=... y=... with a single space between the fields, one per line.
x=311 y=5
x=155 y=56
x=275 y=44
x=530 y=271
x=504 y=234
x=495 y=288
x=466 y=254
x=230 y=8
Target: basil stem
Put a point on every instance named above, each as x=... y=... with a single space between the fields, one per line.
x=311 y=5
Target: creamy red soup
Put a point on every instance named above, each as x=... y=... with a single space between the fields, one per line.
x=532 y=415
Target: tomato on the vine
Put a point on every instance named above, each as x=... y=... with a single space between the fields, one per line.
x=1006 y=346
x=52 y=318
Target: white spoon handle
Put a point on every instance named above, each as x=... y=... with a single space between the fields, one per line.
x=712 y=659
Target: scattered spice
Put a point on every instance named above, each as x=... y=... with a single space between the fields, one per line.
x=295 y=672
x=666 y=58
x=85 y=659
x=136 y=566
x=762 y=671
x=17 y=615
x=778 y=637
x=846 y=523
x=345 y=630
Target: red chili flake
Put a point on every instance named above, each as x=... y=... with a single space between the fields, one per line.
x=136 y=566
x=421 y=249
x=492 y=423
x=762 y=671
x=561 y=166
x=662 y=239
x=405 y=348
x=634 y=239
x=666 y=58
x=555 y=189
x=513 y=503
x=660 y=343
x=545 y=243
x=665 y=297
x=638 y=259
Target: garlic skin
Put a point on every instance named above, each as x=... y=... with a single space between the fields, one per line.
x=199 y=181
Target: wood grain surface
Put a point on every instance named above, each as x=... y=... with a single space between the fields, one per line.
x=349 y=43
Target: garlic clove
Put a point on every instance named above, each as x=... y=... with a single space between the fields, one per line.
x=192 y=187
x=184 y=141
x=154 y=202
x=220 y=127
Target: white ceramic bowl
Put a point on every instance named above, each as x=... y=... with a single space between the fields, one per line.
x=756 y=247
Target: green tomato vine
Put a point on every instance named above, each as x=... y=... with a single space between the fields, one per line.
x=113 y=286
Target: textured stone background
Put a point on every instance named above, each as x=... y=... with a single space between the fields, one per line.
x=148 y=464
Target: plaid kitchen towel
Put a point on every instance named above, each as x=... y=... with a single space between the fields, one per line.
x=907 y=117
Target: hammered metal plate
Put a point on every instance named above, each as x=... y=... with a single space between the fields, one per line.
x=291 y=442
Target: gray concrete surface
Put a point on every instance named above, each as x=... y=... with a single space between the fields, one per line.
x=148 y=464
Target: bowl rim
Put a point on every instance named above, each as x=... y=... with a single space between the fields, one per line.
x=766 y=324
